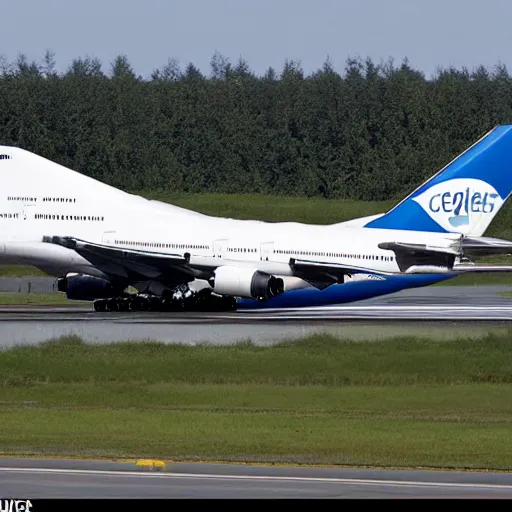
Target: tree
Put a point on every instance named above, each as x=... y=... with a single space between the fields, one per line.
x=371 y=131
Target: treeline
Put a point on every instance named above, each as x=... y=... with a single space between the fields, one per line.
x=372 y=132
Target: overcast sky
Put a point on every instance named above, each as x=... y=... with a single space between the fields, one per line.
x=430 y=33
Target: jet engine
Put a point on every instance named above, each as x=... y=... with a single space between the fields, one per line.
x=85 y=287
x=246 y=282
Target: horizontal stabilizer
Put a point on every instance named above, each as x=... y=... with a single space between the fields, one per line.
x=420 y=258
x=462 y=268
x=485 y=246
x=418 y=248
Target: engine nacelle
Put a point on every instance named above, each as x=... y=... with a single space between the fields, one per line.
x=246 y=282
x=85 y=287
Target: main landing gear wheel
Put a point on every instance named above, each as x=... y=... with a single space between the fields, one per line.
x=100 y=305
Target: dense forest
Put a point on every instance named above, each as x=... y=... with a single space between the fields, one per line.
x=372 y=132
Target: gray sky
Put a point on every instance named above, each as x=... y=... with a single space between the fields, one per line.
x=264 y=32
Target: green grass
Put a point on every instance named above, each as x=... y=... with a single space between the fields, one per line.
x=448 y=436
x=37 y=298
x=397 y=402
x=478 y=279
x=316 y=360
x=20 y=271
x=272 y=208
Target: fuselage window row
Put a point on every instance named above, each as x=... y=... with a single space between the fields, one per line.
x=160 y=245
x=251 y=250
x=9 y=215
x=68 y=217
x=26 y=199
x=59 y=200
x=45 y=199
x=335 y=255
x=241 y=249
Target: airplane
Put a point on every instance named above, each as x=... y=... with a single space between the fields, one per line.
x=100 y=242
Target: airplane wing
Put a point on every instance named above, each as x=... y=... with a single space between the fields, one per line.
x=138 y=264
x=129 y=263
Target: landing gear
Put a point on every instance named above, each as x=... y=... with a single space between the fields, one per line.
x=113 y=304
x=179 y=299
x=100 y=305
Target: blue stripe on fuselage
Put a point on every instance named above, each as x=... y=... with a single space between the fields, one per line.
x=348 y=292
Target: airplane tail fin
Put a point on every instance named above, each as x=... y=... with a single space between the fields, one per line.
x=464 y=196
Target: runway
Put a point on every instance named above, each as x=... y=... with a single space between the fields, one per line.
x=51 y=478
x=468 y=310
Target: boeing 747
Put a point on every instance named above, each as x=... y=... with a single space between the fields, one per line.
x=101 y=242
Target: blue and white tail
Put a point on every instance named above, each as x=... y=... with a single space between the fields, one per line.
x=464 y=196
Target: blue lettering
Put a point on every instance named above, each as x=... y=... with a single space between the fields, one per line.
x=431 y=204
x=476 y=202
x=463 y=202
x=446 y=201
x=466 y=201
x=489 y=200
x=458 y=199
x=484 y=201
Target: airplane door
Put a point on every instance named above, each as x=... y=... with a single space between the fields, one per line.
x=108 y=237
x=28 y=212
x=219 y=248
x=266 y=251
